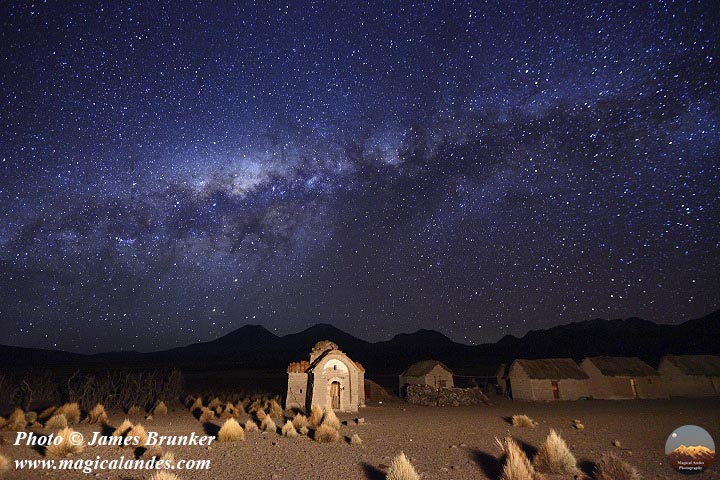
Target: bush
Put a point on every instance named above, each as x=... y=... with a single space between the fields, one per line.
x=231 y=431
x=138 y=431
x=251 y=426
x=523 y=421
x=160 y=409
x=268 y=425
x=517 y=466
x=16 y=421
x=66 y=447
x=355 y=439
x=554 y=456
x=326 y=434
x=288 y=430
x=316 y=416
x=56 y=422
x=123 y=429
x=97 y=414
x=611 y=467
x=71 y=412
x=330 y=419
x=401 y=469
x=300 y=421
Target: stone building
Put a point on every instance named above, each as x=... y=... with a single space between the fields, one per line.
x=547 y=379
x=329 y=379
x=691 y=375
x=617 y=378
x=427 y=372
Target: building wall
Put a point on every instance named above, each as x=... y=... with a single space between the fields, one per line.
x=352 y=383
x=525 y=388
x=680 y=385
x=297 y=390
x=619 y=388
x=432 y=378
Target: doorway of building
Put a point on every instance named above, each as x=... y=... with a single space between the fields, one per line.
x=556 y=390
x=335 y=395
x=633 y=385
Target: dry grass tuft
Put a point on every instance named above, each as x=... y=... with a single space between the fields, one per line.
x=16 y=420
x=214 y=403
x=401 y=469
x=98 y=414
x=123 y=429
x=268 y=425
x=4 y=463
x=160 y=409
x=330 y=419
x=231 y=431
x=251 y=426
x=138 y=431
x=517 y=466
x=240 y=408
x=275 y=410
x=554 y=456
x=135 y=411
x=168 y=457
x=611 y=467
x=355 y=439
x=30 y=417
x=316 y=416
x=197 y=404
x=260 y=414
x=47 y=413
x=326 y=434
x=304 y=430
x=523 y=421
x=66 y=447
x=300 y=421
x=56 y=422
x=71 y=412
x=288 y=430
x=206 y=415
x=164 y=475
x=229 y=412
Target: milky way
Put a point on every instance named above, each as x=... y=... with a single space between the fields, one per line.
x=171 y=172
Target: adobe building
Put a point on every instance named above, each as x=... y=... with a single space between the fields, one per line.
x=620 y=378
x=691 y=375
x=427 y=372
x=547 y=379
x=329 y=379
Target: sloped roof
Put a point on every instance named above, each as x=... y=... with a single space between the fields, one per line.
x=708 y=365
x=423 y=367
x=551 y=369
x=622 y=367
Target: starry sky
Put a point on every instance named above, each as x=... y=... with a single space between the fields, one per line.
x=172 y=171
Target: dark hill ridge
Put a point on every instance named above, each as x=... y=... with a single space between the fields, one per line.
x=254 y=347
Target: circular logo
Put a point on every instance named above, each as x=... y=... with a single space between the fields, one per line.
x=690 y=449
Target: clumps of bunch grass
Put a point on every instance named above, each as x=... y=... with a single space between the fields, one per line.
x=274 y=408
x=160 y=409
x=316 y=416
x=326 y=434
x=66 y=447
x=135 y=410
x=164 y=475
x=138 y=432
x=71 y=412
x=229 y=411
x=555 y=457
x=300 y=421
x=523 y=421
x=214 y=403
x=206 y=415
x=231 y=431
x=304 y=431
x=578 y=425
x=517 y=465
x=123 y=429
x=97 y=414
x=401 y=469
x=4 y=463
x=330 y=419
x=16 y=421
x=288 y=430
x=611 y=467
x=196 y=405
x=47 y=413
x=355 y=439
x=268 y=425
x=30 y=417
x=251 y=426
x=56 y=422
x=3 y=421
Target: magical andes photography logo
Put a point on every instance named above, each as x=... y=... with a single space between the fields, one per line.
x=690 y=449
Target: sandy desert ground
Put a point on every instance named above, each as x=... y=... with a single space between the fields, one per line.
x=443 y=443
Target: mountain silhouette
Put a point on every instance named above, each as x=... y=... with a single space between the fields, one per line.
x=254 y=347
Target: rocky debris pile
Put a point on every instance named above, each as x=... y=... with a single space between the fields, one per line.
x=445 y=397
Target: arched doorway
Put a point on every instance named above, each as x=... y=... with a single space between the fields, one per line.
x=335 y=395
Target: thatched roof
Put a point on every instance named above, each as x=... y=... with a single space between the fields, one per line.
x=551 y=369
x=707 y=365
x=622 y=367
x=423 y=368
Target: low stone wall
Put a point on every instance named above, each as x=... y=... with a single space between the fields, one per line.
x=445 y=397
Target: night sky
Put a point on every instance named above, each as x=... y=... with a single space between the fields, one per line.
x=169 y=173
